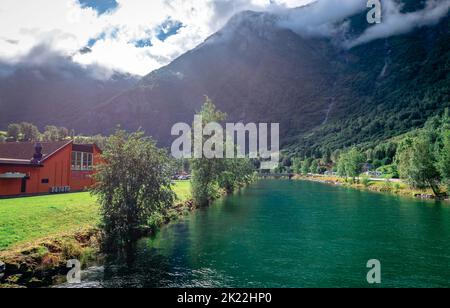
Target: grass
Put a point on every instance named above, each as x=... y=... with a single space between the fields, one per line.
x=397 y=188
x=23 y=220
x=183 y=190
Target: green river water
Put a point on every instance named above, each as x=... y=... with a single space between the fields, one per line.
x=293 y=234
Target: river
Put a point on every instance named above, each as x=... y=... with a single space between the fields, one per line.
x=293 y=234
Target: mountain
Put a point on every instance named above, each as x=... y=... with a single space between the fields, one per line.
x=48 y=88
x=323 y=95
x=252 y=69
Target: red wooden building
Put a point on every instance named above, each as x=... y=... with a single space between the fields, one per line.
x=47 y=167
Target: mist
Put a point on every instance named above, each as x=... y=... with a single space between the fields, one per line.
x=43 y=58
x=328 y=18
x=396 y=23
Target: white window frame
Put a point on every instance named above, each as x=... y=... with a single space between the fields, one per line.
x=80 y=159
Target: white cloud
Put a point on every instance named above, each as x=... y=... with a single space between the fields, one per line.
x=321 y=18
x=395 y=23
x=67 y=27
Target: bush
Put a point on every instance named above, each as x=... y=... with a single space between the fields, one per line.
x=387 y=186
x=365 y=181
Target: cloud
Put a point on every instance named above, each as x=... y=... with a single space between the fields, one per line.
x=127 y=38
x=113 y=36
x=321 y=18
x=327 y=18
x=42 y=58
x=396 y=23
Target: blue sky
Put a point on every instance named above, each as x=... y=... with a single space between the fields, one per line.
x=101 y=6
x=164 y=31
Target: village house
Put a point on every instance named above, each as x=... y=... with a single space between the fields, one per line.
x=46 y=167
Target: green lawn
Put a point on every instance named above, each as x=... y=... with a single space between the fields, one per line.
x=183 y=190
x=23 y=220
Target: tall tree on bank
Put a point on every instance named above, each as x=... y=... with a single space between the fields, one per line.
x=416 y=162
x=210 y=175
x=205 y=171
x=132 y=183
x=443 y=163
x=350 y=163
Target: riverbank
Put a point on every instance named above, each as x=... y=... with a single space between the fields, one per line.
x=328 y=235
x=40 y=234
x=395 y=187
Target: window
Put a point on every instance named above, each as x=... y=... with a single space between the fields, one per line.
x=45 y=181
x=82 y=161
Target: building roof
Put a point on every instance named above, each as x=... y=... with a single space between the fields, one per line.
x=22 y=152
x=88 y=148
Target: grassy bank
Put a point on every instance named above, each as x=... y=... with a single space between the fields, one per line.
x=392 y=187
x=25 y=220
x=39 y=234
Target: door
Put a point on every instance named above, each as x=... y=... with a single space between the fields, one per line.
x=23 y=188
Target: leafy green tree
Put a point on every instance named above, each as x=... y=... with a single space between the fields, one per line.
x=29 y=132
x=236 y=174
x=297 y=165
x=335 y=156
x=327 y=156
x=306 y=166
x=210 y=175
x=341 y=166
x=350 y=163
x=416 y=163
x=63 y=133
x=314 y=166
x=99 y=140
x=443 y=162
x=132 y=183
x=205 y=172
x=13 y=132
x=51 y=133
x=354 y=162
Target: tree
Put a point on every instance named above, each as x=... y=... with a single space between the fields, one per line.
x=327 y=156
x=51 y=133
x=205 y=171
x=350 y=163
x=416 y=163
x=306 y=166
x=297 y=165
x=13 y=132
x=237 y=173
x=29 y=132
x=132 y=183
x=209 y=175
x=443 y=163
x=99 y=140
x=314 y=166
x=335 y=156
x=63 y=133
